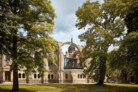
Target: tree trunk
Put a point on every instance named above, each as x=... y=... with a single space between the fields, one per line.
x=27 y=78
x=102 y=70
x=15 y=80
x=15 y=64
x=124 y=75
x=100 y=82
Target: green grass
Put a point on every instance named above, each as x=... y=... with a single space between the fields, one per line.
x=52 y=87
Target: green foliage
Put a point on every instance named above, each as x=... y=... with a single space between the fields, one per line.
x=25 y=26
x=131 y=19
x=116 y=64
x=129 y=46
x=6 y=27
x=104 y=27
x=125 y=58
x=115 y=59
x=34 y=23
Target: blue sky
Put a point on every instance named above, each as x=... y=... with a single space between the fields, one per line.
x=66 y=20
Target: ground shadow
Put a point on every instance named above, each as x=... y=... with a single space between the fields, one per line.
x=53 y=87
x=94 y=88
x=91 y=88
x=21 y=90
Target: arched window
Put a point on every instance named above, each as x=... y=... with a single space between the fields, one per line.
x=19 y=75
x=52 y=76
x=34 y=75
x=78 y=75
x=48 y=76
x=81 y=76
x=23 y=75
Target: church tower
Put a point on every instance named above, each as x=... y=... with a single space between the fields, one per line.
x=71 y=47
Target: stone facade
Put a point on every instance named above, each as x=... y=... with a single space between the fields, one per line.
x=67 y=70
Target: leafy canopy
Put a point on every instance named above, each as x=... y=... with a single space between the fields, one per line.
x=104 y=28
x=31 y=22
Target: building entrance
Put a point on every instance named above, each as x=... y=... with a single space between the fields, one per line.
x=7 y=76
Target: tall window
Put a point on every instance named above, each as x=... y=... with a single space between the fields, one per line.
x=38 y=75
x=48 y=76
x=34 y=75
x=81 y=76
x=52 y=76
x=19 y=75
x=78 y=75
x=23 y=75
x=66 y=76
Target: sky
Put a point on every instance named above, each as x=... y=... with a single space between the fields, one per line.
x=65 y=22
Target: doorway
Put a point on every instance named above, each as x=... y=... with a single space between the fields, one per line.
x=7 y=76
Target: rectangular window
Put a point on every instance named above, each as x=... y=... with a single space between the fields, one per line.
x=66 y=76
x=71 y=63
x=23 y=75
x=19 y=75
x=34 y=75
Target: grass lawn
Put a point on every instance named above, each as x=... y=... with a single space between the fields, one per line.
x=52 y=87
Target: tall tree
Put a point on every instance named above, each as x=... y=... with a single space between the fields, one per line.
x=103 y=27
x=129 y=45
x=25 y=29
x=116 y=11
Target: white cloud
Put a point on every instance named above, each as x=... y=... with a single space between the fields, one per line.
x=66 y=20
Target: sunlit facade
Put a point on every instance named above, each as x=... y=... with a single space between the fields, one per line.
x=68 y=69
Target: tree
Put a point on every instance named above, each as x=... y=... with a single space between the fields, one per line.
x=126 y=55
x=129 y=44
x=25 y=29
x=103 y=27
